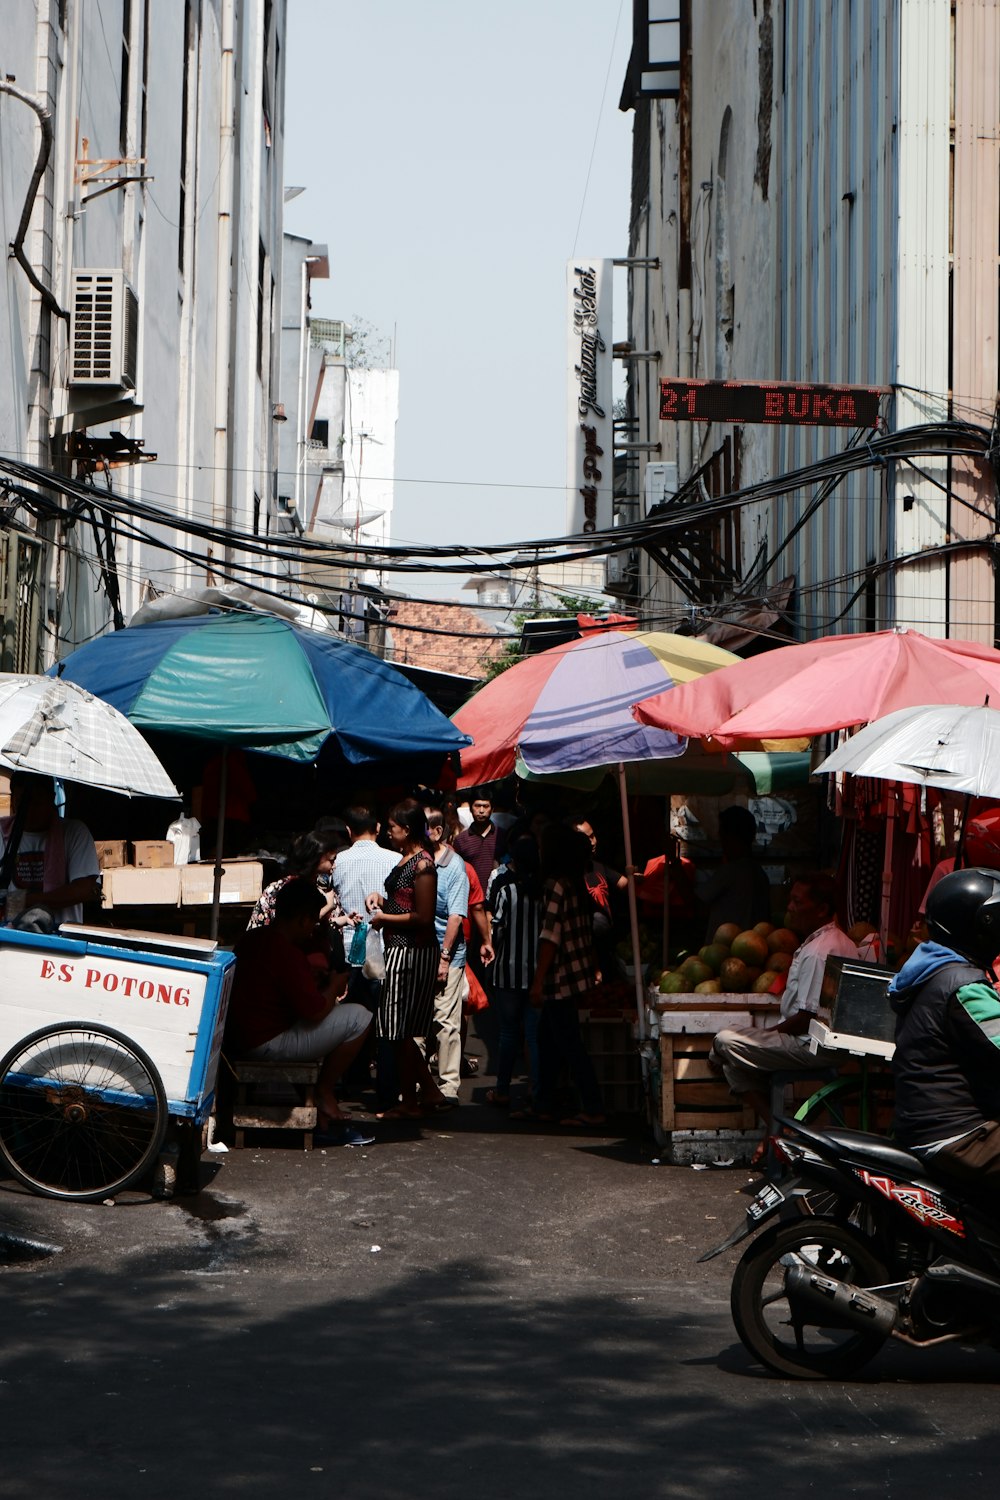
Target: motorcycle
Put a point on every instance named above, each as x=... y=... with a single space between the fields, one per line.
x=861 y=1245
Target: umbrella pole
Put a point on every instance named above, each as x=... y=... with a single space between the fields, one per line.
x=633 y=909
x=890 y=829
x=960 y=846
x=220 y=827
x=668 y=842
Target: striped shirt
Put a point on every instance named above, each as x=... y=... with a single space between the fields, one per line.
x=515 y=914
x=357 y=873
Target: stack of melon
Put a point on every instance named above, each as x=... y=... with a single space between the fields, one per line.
x=738 y=962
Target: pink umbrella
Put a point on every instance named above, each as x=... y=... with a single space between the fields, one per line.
x=832 y=683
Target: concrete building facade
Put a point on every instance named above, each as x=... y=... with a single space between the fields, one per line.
x=157 y=130
x=817 y=199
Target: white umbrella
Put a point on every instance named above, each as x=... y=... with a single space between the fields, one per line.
x=943 y=745
x=53 y=728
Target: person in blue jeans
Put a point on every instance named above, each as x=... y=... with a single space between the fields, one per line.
x=514 y=900
x=565 y=974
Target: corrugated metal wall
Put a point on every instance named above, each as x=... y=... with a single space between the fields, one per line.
x=976 y=301
x=836 y=244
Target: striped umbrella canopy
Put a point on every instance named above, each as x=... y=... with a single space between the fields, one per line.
x=569 y=708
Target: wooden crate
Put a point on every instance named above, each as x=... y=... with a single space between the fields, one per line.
x=611 y=1043
x=692 y=1097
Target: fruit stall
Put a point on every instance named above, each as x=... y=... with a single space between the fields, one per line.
x=736 y=980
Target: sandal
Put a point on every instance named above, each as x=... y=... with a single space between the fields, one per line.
x=761 y=1150
x=494 y=1097
x=583 y=1122
x=469 y=1067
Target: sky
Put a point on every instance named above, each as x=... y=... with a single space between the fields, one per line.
x=455 y=154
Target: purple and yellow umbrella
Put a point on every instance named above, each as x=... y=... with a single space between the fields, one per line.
x=569 y=709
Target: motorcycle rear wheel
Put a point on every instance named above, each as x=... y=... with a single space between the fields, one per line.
x=765 y=1318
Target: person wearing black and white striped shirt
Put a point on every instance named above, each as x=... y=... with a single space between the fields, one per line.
x=514 y=900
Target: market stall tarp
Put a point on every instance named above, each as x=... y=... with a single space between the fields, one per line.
x=836 y=682
x=757 y=773
x=264 y=684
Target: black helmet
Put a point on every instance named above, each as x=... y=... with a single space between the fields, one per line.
x=963 y=911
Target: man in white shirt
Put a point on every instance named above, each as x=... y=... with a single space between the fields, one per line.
x=747 y=1056
x=56 y=866
x=359 y=872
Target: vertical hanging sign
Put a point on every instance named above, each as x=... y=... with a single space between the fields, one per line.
x=590 y=433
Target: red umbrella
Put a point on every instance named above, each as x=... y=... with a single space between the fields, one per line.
x=832 y=683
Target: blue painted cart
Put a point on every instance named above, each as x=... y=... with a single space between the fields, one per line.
x=107 y=1036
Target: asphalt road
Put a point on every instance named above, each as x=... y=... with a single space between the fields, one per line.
x=470 y=1309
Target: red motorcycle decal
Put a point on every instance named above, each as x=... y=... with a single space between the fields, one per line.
x=922 y=1204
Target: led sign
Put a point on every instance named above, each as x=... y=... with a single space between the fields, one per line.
x=776 y=402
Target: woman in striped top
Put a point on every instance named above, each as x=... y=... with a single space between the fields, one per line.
x=515 y=892
x=405 y=917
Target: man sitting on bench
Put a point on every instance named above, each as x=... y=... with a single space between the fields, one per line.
x=284 y=1010
x=749 y=1055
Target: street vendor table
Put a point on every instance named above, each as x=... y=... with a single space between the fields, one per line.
x=106 y=1035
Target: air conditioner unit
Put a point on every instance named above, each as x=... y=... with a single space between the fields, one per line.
x=621 y=573
x=660 y=483
x=103 y=330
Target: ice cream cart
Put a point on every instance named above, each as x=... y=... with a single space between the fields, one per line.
x=106 y=1036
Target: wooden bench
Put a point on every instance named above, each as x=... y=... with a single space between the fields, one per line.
x=250 y=1078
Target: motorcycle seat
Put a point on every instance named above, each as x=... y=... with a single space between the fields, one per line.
x=875 y=1151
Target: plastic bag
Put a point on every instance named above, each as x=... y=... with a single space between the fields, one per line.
x=374 y=964
x=185 y=835
x=358 y=950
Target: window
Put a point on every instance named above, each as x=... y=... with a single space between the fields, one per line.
x=126 y=69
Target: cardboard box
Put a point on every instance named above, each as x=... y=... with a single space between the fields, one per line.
x=152 y=854
x=110 y=853
x=242 y=882
x=130 y=887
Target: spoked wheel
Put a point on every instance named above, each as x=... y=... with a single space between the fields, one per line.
x=82 y=1112
x=786 y=1335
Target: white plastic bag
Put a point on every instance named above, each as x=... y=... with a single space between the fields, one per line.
x=374 y=964
x=185 y=835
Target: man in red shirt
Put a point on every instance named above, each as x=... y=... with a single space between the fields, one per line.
x=284 y=1010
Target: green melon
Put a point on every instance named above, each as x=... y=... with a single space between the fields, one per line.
x=673 y=984
x=695 y=972
x=713 y=954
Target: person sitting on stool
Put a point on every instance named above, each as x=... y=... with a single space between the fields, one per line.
x=748 y=1055
x=282 y=1011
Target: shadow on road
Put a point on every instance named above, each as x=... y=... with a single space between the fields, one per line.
x=409 y=1382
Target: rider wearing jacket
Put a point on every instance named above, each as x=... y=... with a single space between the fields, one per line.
x=947 y=1058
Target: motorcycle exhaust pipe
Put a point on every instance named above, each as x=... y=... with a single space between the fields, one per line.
x=839 y=1304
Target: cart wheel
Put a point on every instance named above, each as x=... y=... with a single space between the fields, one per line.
x=83 y=1113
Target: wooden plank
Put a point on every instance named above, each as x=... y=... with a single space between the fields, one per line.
x=691 y=1046
x=274 y=1117
x=254 y=1071
x=717 y=1120
x=693 y=1067
x=667 y=1044
x=716 y=1094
